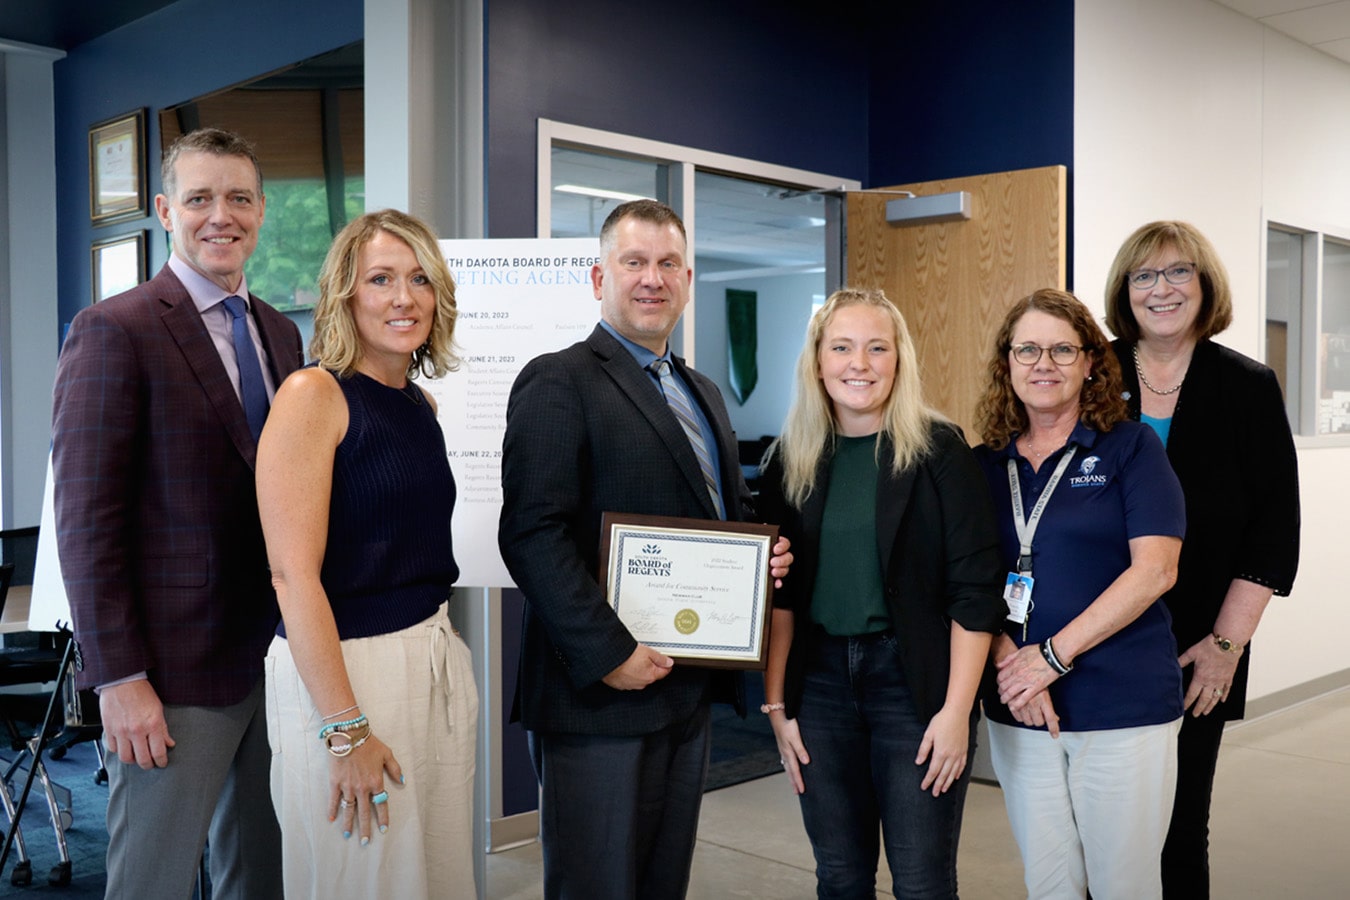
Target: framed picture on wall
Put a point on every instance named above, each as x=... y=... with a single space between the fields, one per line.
x=118 y=264
x=117 y=188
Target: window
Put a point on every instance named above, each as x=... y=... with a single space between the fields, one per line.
x=1308 y=326
x=1284 y=300
x=1333 y=358
x=307 y=123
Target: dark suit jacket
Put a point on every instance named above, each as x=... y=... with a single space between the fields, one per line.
x=156 y=512
x=1233 y=453
x=936 y=530
x=587 y=431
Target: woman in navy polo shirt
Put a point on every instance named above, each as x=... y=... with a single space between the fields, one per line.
x=1086 y=705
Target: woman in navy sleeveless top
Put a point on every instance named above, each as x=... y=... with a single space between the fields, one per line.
x=371 y=703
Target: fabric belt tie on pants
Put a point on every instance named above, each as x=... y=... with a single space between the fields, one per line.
x=439 y=643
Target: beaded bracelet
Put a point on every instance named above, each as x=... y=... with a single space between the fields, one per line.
x=348 y=725
x=341 y=750
x=767 y=708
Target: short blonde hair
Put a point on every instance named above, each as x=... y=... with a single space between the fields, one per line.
x=808 y=433
x=1216 y=300
x=1000 y=413
x=336 y=345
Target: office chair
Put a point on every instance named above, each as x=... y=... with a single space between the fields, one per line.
x=34 y=666
x=41 y=659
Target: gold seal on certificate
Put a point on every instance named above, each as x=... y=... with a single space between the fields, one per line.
x=698 y=590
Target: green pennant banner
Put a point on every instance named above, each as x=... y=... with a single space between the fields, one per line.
x=742 y=343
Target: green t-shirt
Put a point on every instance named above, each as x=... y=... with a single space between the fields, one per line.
x=849 y=596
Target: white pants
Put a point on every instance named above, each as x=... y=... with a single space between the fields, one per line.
x=1089 y=809
x=416 y=686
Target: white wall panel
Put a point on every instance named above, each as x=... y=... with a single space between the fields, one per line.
x=1191 y=111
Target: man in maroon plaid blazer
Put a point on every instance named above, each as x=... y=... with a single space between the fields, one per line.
x=161 y=550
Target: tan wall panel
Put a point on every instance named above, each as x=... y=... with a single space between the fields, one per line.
x=953 y=280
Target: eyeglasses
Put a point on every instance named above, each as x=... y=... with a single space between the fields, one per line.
x=1060 y=354
x=1177 y=273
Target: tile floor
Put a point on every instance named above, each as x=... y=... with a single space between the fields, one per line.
x=1280 y=825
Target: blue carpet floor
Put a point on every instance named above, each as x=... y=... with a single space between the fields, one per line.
x=86 y=838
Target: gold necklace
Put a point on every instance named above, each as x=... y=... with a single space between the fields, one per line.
x=1139 y=370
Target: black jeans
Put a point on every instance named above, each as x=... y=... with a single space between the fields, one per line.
x=862 y=732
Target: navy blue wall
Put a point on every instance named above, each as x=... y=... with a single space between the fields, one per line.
x=183 y=51
x=882 y=91
x=969 y=87
x=767 y=81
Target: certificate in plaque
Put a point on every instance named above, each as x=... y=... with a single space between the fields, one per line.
x=698 y=590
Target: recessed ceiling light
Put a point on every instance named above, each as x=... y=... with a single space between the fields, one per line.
x=599 y=193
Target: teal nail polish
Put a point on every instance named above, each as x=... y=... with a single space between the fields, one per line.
x=347 y=834
x=383 y=829
x=364 y=841
x=400 y=780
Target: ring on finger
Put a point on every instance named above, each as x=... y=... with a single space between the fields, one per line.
x=344 y=803
x=381 y=797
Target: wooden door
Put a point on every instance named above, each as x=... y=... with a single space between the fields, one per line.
x=953 y=280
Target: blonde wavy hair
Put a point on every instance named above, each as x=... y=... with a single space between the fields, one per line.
x=336 y=344
x=1000 y=414
x=809 y=431
x=1216 y=298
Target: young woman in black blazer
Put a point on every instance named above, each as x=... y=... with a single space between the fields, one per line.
x=881 y=631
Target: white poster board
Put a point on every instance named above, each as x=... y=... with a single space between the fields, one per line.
x=49 y=604
x=517 y=298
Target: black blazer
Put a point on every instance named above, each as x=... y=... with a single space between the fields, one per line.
x=587 y=431
x=156 y=513
x=1233 y=453
x=936 y=530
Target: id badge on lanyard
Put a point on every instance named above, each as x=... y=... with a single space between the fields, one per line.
x=1017 y=591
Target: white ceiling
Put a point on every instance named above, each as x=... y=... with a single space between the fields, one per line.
x=1323 y=26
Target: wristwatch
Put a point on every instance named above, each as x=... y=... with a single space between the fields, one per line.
x=1226 y=645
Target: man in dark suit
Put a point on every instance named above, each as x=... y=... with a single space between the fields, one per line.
x=160 y=395
x=618 y=733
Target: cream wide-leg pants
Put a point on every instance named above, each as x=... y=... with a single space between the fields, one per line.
x=416 y=686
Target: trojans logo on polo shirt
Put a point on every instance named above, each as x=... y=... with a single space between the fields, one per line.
x=1088 y=476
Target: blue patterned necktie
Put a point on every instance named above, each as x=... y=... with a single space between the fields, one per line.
x=679 y=404
x=252 y=390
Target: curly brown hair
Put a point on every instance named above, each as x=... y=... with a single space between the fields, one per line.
x=1000 y=414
